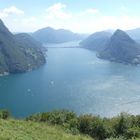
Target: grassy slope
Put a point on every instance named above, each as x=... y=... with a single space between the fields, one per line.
x=22 y=130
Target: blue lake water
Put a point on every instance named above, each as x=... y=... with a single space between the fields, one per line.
x=75 y=79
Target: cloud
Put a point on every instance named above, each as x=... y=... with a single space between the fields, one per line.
x=12 y=10
x=3 y=15
x=56 y=11
x=27 y=24
x=111 y=22
x=56 y=7
x=58 y=16
x=29 y=20
x=90 y=11
x=123 y=22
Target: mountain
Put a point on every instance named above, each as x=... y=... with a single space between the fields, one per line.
x=17 y=55
x=50 y=35
x=121 y=48
x=27 y=40
x=135 y=34
x=96 y=41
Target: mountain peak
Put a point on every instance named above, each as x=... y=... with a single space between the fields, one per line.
x=121 y=48
x=50 y=35
x=119 y=30
x=48 y=28
x=14 y=55
x=120 y=35
x=3 y=28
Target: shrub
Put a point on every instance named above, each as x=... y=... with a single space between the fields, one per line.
x=73 y=123
x=4 y=114
x=98 y=129
x=55 y=117
x=35 y=118
x=137 y=120
x=133 y=133
x=122 y=124
x=94 y=126
x=85 y=123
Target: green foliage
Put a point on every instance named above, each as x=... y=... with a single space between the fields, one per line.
x=136 y=120
x=28 y=130
x=98 y=129
x=4 y=114
x=119 y=138
x=133 y=132
x=85 y=123
x=124 y=126
x=94 y=126
x=55 y=117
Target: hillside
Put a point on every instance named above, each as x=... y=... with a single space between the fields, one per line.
x=27 y=40
x=121 y=48
x=50 y=35
x=22 y=130
x=66 y=125
x=96 y=41
x=17 y=56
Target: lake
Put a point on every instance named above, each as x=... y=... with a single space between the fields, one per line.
x=74 y=79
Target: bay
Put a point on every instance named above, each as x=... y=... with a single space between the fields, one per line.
x=74 y=79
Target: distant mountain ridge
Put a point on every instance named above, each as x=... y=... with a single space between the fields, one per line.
x=17 y=56
x=97 y=41
x=135 y=34
x=50 y=35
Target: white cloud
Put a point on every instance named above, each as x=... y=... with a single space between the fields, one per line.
x=90 y=11
x=57 y=11
x=122 y=22
x=3 y=15
x=56 y=7
x=12 y=10
x=109 y=22
x=24 y=24
x=58 y=16
x=29 y=20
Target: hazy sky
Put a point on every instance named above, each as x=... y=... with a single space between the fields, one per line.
x=84 y=16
